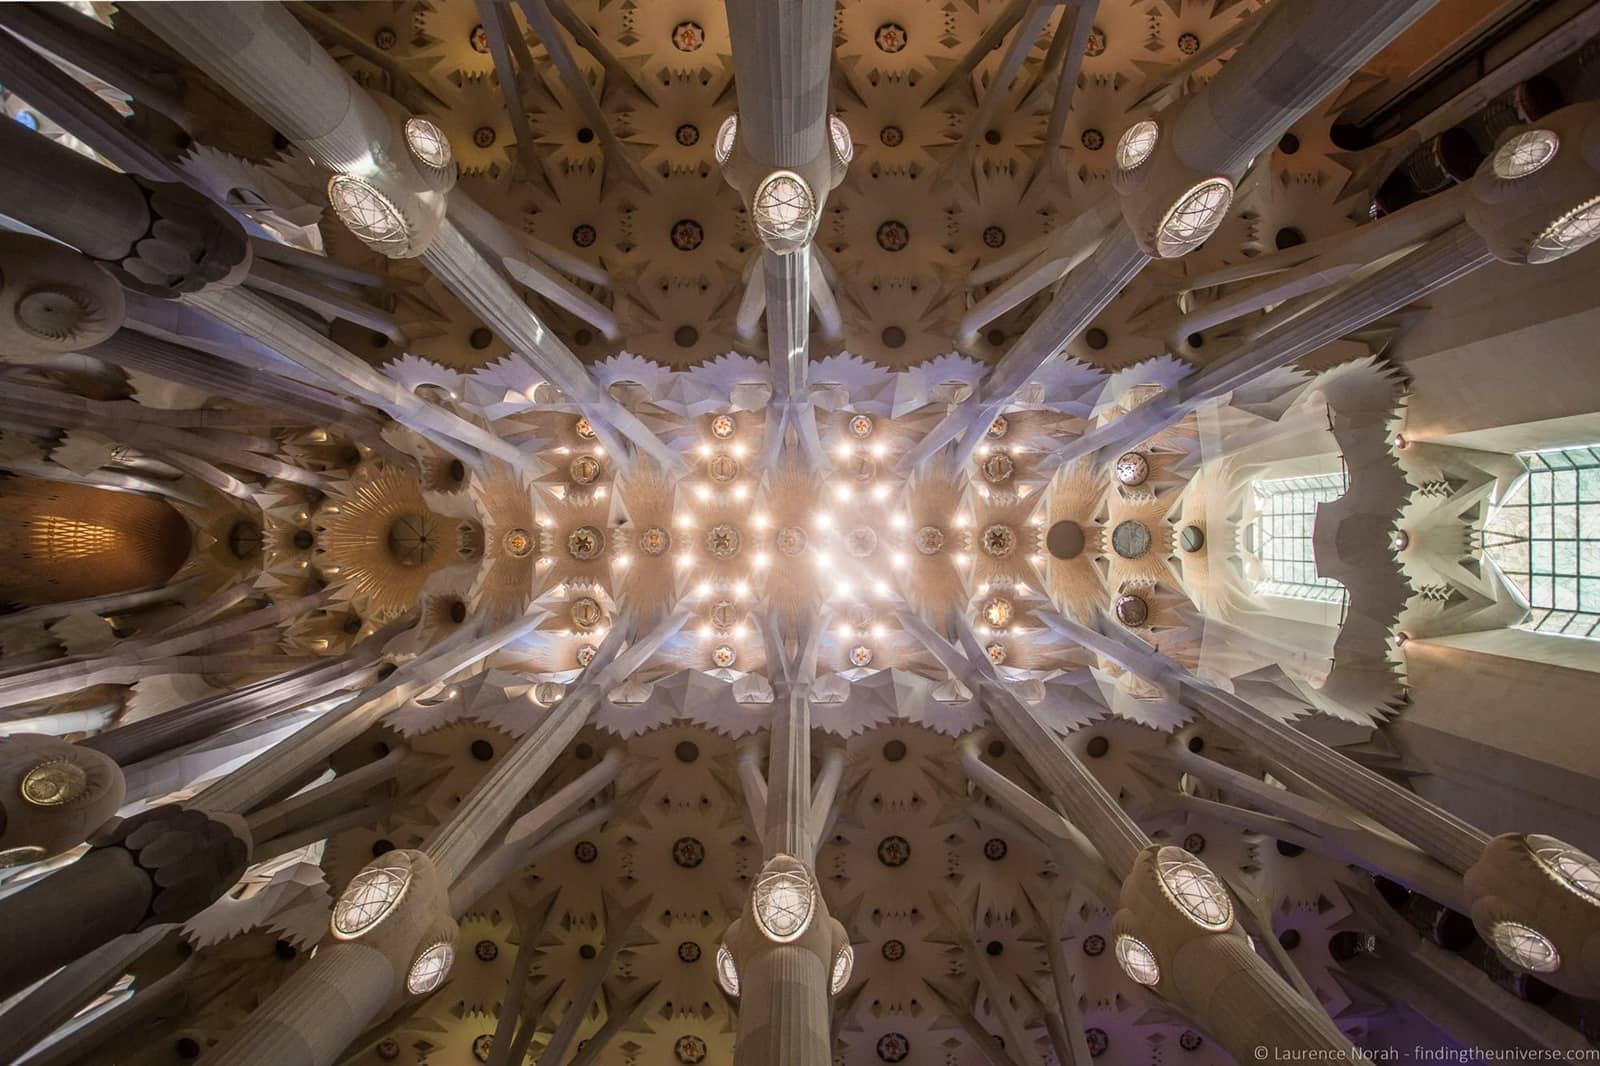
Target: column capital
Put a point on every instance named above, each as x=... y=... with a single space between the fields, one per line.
x=1536 y=900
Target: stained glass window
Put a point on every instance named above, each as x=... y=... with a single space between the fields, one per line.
x=1280 y=536
x=1544 y=537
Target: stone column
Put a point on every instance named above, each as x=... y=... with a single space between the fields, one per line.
x=1296 y=56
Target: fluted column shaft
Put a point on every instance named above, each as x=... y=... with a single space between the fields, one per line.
x=787 y=281
x=788 y=829
x=1087 y=804
x=1449 y=256
x=69 y=196
x=69 y=914
x=1244 y=1005
x=267 y=772
x=314 y=1016
x=783 y=1012
x=268 y=60
x=782 y=53
x=1433 y=829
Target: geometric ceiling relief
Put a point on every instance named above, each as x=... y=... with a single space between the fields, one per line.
x=877 y=532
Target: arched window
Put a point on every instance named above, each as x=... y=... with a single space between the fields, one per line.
x=1544 y=538
x=1280 y=536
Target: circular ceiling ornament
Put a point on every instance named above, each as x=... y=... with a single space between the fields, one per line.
x=687 y=234
x=784 y=211
x=998 y=612
x=430 y=968
x=861 y=656
x=20 y=856
x=1132 y=610
x=861 y=542
x=57 y=312
x=999 y=540
x=996 y=652
x=584 y=428
x=723 y=468
x=483 y=1046
x=369 y=898
x=890 y=37
x=894 y=851
x=784 y=899
x=994 y=237
x=585 y=612
x=1575 y=870
x=999 y=427
x=584 y=469
x=1573 y=230
x=1132 y=469
x=723 y=656
x=998 y=468
x=654 y=541
x=486 y=950
x=727 y=133
x=1193 y=888
x=1137 y=144
x=1525 y=153
x=1188 y=43
x=518 y=542
x=1095 y=44
x=585 y=543
x=727 y=971
x=893 y=235
x=995 y=849
x=929 y=540
x=1130 y=539
x=723 y=426
x=1065 y=540
x=844 y=963
x=55 y=783
x=722 y=541
x=586 y=654
x=893 y=1047
x=839 y=138
x=1525 y=947
x=725 y=614
x=688 y=852
x=412 y=540
x=1192 y=539
x=1193 y=217
x=688 y=951
x=790 y=540
x=893 y=950
x=688 y=36
x=1137 y=960
x=689 y=1050
x=860 y=427
x=366 y=212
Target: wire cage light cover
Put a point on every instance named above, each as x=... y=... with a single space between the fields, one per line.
x=839 y=137
x=727 y=133
x=1191 y=885
x=371 y=896
x=1525 y=153
x=430 y=968
x=727 y=970
x=1525 y=947
x=844 y=963
x=1137 y=143
x=1573 y=230
x=785 y=899
x=1137 y=960
x=1570 y=867
x=1193 y=217
x=427 y=142
x=784 y=211
x=367 y=213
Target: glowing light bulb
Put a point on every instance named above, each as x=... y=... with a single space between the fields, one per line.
x=741 y=492
x=706 y=631
x=845 y=632
x=843 y=450
x=962 y=521
x=878 y=450
x=842 y=590
x=824 y=560
x=824 y=520
x=880 y=588
x=739 y=451
x=984 y=449
x=898 y=560
x=762 y=560
x=683 y=560
x=898 y=520
x=705 y=451
x=702 y=590
x=842 y=493
x=599 y=452
x=622 y=561
x=741 y=590
x=880 y=492
x=702 y=492
x=877 y=630
x=683 y=520
x=962 y=559
x=740 y=630
x=760 y=520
